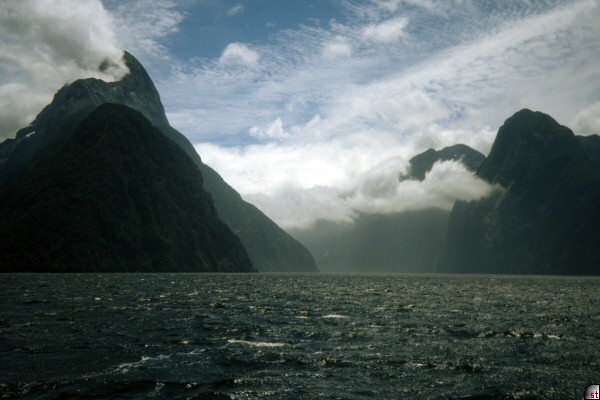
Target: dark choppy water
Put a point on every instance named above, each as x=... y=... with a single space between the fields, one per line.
x=298 y=336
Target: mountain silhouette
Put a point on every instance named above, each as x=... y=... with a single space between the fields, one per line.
x=114 y=195
x=269 y=247
x=545 y=218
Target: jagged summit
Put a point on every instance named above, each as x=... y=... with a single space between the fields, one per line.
x=115 y=195
x=525 y=140
x=422 y=163
x=546 y=220
x=269 y=247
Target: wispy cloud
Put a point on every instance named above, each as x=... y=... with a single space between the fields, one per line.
x=235 y=10
x=441 y=76
x=141 y=25
x=386 y=31
x=306 y=115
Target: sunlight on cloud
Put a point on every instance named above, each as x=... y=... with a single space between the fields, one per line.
x=141 y=24
x=239 y=54
x=381 y=192
x=274 y=131
x=587 y=121
x=339 y=47
x=37 y=58
x=387 y=31
x=362 y=111
x=378 y=191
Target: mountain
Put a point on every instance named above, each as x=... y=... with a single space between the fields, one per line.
x=591 y=146
x=269 y=247
x=114 y=195
x=545 y=219
x=422 y=163
x=411 y=241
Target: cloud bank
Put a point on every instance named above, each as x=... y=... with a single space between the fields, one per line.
x=316 y=120
x=43 y=46
x=378 y=191
x=326 y=104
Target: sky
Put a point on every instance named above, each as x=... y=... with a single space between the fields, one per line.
x=311 y=109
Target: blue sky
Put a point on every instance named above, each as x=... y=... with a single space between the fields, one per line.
x=310 y=109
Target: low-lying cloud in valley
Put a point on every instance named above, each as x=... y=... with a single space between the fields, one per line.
x=378 y=191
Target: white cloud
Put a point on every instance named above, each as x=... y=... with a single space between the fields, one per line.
x=239 y=54
x=378 y=191
x=339 y=47
x=274 y=131
x=45 y=44
x=141 y=25
x=235 y=10
x=387 y=31
x=587 y=121
x=309 y=112
x=381 y=192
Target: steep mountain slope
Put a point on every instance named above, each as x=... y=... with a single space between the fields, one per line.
x=269 y=247
x=411 y=241
x=591 y=146
x=114 y=195
x=545 y=220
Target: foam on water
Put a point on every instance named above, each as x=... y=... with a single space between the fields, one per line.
x=256 y=344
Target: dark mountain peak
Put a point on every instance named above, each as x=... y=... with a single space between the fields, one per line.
x=124 y=198
x=135 y=90
x=524 y=142
x=546 y=220
x=74 y=102
x=422 y=163
x=269 y=247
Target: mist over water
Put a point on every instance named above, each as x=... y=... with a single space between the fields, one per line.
x=292 y=336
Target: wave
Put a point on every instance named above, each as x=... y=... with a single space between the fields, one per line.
x=256 y=344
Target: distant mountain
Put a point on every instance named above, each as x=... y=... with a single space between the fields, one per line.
x=545 y=220
x=113 y=195
x=422 y=163
x=269 y=247
x=411 y=241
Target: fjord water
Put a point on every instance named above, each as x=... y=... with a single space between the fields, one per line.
x=297 y=336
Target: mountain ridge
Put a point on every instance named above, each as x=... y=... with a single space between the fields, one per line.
x=544 y=220
x=270 y=248
x=114 y=195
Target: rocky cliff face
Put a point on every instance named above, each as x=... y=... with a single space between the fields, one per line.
x=114 y=195
x=545 y=219
x=269 y=247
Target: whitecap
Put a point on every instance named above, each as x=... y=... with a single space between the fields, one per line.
x=334 y=316
x=126 y=367
x=256 y=344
